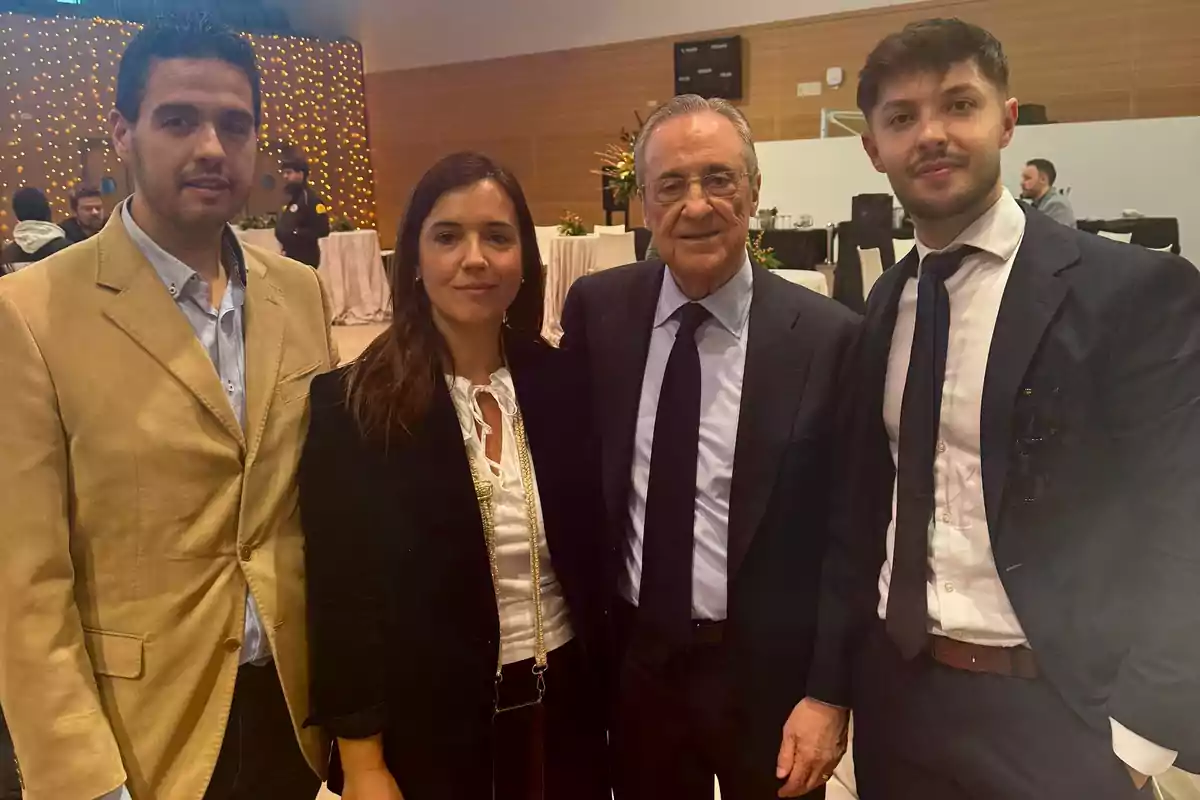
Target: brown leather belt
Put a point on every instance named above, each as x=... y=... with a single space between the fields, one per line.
x=708 y=632
x=1012 y=662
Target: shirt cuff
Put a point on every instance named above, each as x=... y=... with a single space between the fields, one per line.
x=120 y=793
x=1141 y=755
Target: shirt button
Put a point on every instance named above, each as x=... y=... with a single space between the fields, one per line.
x=949 y=587
x=232 y=645
x=174 y=291
x=946 y=518
x=941 y=447
x=247 y=552
x=229 y=387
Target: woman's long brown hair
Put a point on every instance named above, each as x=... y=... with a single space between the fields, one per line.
x=390 y=386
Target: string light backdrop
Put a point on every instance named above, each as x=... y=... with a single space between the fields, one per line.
x=59 y=79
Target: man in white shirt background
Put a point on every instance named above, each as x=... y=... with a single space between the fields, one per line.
x=1013 y=588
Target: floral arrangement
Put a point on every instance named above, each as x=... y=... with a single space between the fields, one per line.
x=264 y=223
x=341 y=225
x=617 y=165
x=762 y=255
x=571 y=224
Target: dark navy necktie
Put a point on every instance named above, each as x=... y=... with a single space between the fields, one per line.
x=907 y=608
x=665 y=599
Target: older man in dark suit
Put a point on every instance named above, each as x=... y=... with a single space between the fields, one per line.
x=1015 y=583
x=715 y=386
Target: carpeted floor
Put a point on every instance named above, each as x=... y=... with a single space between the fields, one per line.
x=353 y=339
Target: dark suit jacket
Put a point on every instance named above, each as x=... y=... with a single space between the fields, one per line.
x=300 y=232
x=404 y=631
x=1090 y=436
x=74 y=231
x=798 y=343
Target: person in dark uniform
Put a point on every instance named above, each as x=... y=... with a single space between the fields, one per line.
x=305 y=217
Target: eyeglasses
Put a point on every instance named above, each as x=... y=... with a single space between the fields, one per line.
x=673 y=188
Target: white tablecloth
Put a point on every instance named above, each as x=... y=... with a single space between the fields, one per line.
x=569 y=259
x=353 y=273
x=260 y=238
x=808 y=278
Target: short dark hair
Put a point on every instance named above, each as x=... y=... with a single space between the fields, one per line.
x=189 y=36
x=932 y=45
x=81 y=193
x=296 y=164
x=31 y=205
x=1044 y=166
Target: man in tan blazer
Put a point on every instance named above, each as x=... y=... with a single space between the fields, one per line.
x=152 y=611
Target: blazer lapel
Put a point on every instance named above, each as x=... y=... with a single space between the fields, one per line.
x=1031 y=301
x=144 y=310
x=629 y=330
x=440 y=474
x=265 y=323
x=777 y=362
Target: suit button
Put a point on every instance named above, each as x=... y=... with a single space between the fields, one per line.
x=232 y=645
x=247 y=552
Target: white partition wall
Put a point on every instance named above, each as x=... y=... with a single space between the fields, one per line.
x=1152 y=165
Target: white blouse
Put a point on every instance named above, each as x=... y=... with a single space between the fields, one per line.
x=517 y=623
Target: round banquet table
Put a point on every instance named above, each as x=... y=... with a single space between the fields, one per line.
x=354 y=276
x=260 y=238
x=569 y=259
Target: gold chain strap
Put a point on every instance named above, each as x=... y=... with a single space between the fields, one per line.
x=484 y=491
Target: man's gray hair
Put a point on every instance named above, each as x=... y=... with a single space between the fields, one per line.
x=686 y=105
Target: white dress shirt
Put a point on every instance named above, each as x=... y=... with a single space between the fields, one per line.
x=721 y=341
x=966 y=598
x=518 y=627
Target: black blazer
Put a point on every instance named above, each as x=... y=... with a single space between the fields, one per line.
x=797 y=347
x=1090 y=437
x=404 y=632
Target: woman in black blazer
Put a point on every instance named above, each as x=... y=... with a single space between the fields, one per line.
x=433 y=464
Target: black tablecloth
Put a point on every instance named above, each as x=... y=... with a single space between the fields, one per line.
x=1157 y=232
x=641 y=242
x=798 y=248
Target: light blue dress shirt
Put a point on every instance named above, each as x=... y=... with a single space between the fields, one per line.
x=222 y=334
x=721 y=342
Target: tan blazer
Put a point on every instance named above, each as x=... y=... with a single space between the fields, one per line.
x=134 y=513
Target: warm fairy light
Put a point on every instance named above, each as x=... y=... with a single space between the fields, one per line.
x=58 y=78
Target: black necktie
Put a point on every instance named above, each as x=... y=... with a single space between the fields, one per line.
x=665 y=600
x=907 y=609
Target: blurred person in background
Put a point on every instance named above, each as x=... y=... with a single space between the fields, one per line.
x=87 y=209
x=35 y=237
x=304 y=220
x=1037 y=187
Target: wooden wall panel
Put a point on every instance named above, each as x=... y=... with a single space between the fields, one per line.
x=546 y=115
